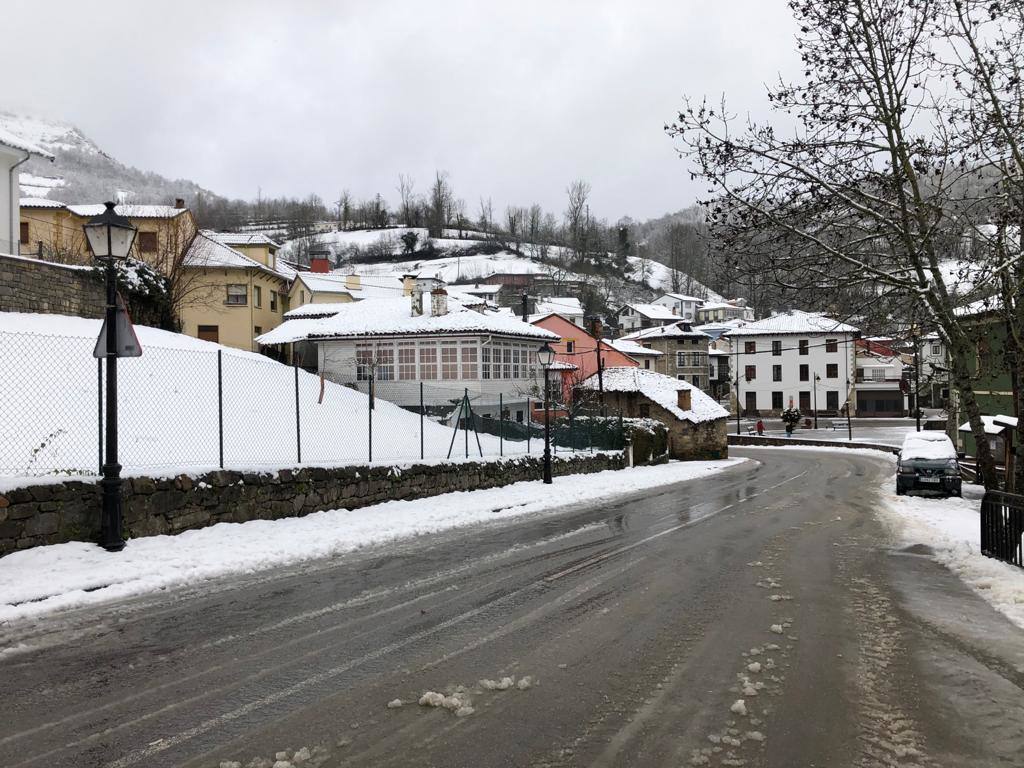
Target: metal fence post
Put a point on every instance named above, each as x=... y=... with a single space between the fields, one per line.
x=220 y=405
x=369 y=421
x=465 y=416
x=501 y=424
x=298 y=428
x=529 y=424
x=421 y=421
x=99 y=391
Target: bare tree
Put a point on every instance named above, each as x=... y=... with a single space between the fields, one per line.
x=576 y=215
x=486 y=216
x=440 y=202
x=870 y=196
x=406 y=198
x=515 y=219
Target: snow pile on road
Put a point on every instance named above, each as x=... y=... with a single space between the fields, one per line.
x=952 y=528
x=61 y=576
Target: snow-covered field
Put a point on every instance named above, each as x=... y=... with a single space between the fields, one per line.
x=952 y=528
x=169 y=413
x=62 y=576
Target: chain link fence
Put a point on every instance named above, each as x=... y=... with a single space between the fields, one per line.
x=194 y=408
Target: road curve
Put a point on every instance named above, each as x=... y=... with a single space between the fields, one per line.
x=639 y=626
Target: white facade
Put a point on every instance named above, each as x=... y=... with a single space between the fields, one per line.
x=685 y=306
x=13 y=152
x=633 y=317
x=793 y=360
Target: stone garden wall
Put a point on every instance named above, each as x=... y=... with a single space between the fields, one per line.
x=31 y=285
x=69 y=510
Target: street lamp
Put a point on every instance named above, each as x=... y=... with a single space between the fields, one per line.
x=817 y=378
x=110 y=239
x=546 y=356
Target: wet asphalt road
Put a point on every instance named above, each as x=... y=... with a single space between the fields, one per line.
x=636 y=622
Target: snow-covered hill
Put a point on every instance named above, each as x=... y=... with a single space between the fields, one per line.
x=81 y=171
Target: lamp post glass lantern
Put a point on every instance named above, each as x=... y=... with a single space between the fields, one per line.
x=110 y=238
x=545 y=357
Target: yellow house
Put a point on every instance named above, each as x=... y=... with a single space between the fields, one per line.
x=320 y=288
x=228 y=297
x=53 y=231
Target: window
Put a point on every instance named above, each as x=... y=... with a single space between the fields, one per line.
x=681 y=377
x=364 y=362
x=385 y=363
x=406 y=360
x=805 y=372
x=237 y=294
x=449 y=361
x=750 y=372
x=570 y=347
x=805 y=401
x=469 y=360
x=485 y=362
x=257 y=296
x=751 y=403
x=147 y=242
x=506 y=363
x=832 y=401
x=428 y=362
x=302 y=298
x=802 y=344
x=878 y=374
x=777 y=348
x=645 y=411
x=831 y=345
x=936 y=350
x=519 y=416
x=647 y=364
x=209 y=333
x=749 y=347
x=696 y=381
x=832 y=371
x=257 y=330
x=273 y=301
x=776 y=401
x=776 y=373
x=516 y=360
x=680 y=359
x=24 y=233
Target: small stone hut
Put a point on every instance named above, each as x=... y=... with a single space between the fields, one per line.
x=696 y=423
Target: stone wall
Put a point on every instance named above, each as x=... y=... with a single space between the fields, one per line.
x=30 y=285
x=69 y=511
x=776 y=441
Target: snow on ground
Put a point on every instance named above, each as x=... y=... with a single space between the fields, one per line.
x=659 y=277
x=169 y=409
x=63 y=576
x=952 y=528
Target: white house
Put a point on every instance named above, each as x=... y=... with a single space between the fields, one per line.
x=646 y=356
x=403 y=342
x=881 y=386
x=792 y=360
x=723 y=311
x=568 y=307
x=633 y=317
x=684 y=307
x=934 y=371
x=14 y=151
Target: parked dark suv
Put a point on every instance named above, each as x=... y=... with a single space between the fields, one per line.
x=928 y=464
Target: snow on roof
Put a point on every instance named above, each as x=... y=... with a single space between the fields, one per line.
x=717 y=353
x=684 y=297
x=241 y=238
x=8 y=139
x=794 y=321
x=632 y=348
x=652 y=311
x=560 y=305
x=676 y=330
x=561 y=365
x=319 y=282
x=994 y=425
x=206 y=252
x=129 y=210
x=927 y=445
x=393 y=317
x=316 y=310
x=722 y=305
x=39 y=202
x=660 y=389
x=481 y=288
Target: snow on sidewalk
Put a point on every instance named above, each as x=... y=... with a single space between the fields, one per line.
x=62 y=576
x=952 y=528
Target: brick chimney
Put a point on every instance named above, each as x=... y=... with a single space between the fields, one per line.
x=684 y=401
x=179 y=202
x=438 y=302
x=319 y=264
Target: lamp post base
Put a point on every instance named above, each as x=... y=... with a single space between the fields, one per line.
x=111 y=525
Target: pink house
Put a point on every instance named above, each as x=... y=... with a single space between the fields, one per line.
x=576 y=357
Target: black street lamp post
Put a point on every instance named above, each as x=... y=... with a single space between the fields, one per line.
x=110 y=238
x=817 y=378
x=546 y=356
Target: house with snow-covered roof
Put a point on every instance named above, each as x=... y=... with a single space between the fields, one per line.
x=723 y=311
x=401 y=342
x=696 y=423
x=633 y=317
x=684 y=307
x=13 y=152
x=794 y=360
x=685 y=351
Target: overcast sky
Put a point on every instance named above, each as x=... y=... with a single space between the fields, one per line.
x=513 y=99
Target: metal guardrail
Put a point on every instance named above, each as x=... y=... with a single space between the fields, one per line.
x=1002 y=527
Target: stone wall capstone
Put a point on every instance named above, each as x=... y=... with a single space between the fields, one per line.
x=69 y=510
x=31 y=285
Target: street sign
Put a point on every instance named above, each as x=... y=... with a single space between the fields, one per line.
x=127 y=342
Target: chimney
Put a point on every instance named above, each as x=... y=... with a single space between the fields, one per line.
x=675 y=309
x=438 y=302
x=408 y=283
x=352 y=282
x=319 y=264
x=526 y=308
x=684 y=402
x=179 y=202
x=417 y=300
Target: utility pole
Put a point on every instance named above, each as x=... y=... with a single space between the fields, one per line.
x=526 y=307
x=595 y=330
x=917 y=380
x=817 y=378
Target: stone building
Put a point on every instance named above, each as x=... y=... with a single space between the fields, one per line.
x=685 y=351
x=696 y=424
